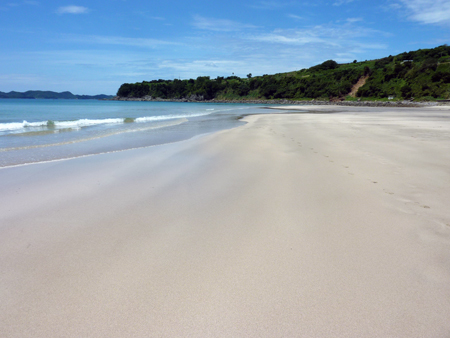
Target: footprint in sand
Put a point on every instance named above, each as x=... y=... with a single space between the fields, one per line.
x=388 y=192
x=422 y=205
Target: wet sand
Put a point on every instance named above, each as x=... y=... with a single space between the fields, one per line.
x=293 y=225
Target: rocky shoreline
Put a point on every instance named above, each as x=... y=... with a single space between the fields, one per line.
x=199 y=99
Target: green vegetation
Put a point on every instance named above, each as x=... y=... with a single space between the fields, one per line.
x=422 y=74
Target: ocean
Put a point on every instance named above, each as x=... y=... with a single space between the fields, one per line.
x=45 y=130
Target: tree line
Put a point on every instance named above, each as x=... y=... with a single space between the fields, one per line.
x=421 y=74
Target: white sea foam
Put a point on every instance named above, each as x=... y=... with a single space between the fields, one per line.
x=20 y=125
x=86 y=122
x=167 y=117
x=94 y=137
x=17 y=126
x=23 y=126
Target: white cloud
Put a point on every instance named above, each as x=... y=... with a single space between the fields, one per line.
x=72 y=10
x=7 y=6
x=342 y=2
x=271 y=4
x=218 y=25
x=136 y=42
x=296 y=17
x=331 y=35
x=428 y=11
x=117 y=40
x=290 y=38
x=10 y=80
x=351 y=20
x=201 y=66
x=10 y=5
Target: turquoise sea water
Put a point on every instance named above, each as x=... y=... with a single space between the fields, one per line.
x=43 y=130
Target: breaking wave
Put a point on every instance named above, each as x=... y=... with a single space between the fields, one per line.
x=81 y=123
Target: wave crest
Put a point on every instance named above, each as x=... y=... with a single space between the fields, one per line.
x=81 y=123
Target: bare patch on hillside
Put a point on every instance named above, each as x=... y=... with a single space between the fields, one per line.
x=361 y=82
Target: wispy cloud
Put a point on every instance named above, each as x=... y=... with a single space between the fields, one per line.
x=201 y=66
x=332 y=35
x=351 y=20
x=342 y=2
x=290 y=37
x=296 y=17
x=7 y=6
x=10 y=5
x=19 y=78
x=149 y=15
x=428 y=11
x=72 y=10
x=271 y=4
x=118 y=40
x=218 y=25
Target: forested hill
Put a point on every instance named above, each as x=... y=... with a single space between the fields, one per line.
x=423 y=74
x=38 y=94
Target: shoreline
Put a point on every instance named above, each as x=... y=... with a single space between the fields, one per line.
x=49 y=143
x=293 y=109
x=328 y=225
x=404 y=103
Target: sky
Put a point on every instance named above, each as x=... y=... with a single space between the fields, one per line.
x=92 y=47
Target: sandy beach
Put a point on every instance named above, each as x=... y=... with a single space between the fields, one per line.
x=329 y=224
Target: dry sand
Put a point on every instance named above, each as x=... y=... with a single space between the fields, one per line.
x=295 y=225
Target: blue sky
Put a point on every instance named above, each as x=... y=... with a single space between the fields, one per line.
x=92 y=47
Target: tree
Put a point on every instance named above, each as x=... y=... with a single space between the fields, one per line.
x=124 y=90
x=406 y=91
x=329 y=64
x=243 y=89
x=249 y=75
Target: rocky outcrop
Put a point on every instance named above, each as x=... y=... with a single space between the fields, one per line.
x=196 y=98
